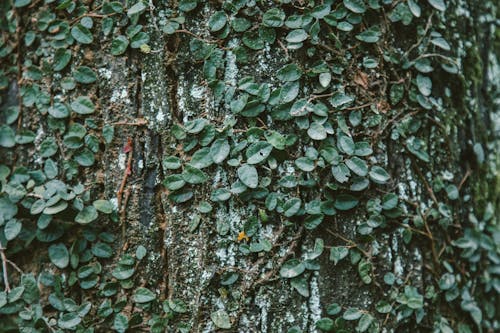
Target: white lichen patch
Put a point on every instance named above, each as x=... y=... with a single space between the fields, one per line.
x=314 y=302
x=122 y=160
x=198 y=92
x=120 y=95
x=104 y=73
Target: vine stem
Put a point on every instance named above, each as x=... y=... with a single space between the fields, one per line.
x=4 y=267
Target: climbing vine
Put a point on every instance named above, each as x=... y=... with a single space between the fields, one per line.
x=358 y=90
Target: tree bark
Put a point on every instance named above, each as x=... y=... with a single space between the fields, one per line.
x=144 y=96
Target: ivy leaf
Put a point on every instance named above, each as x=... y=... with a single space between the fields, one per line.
x=317 y=131
x=352 y=314
x=305 y=164
x=86 y=215
x=217 y=21
x=119 y=45
x=174 y=182
x=345 y=202
x=59 y=111
x=258 y=152
x=59 y=255
x=7 y=136
x=138 y=8
x=291 y=207
x=202 y=158
x=219 y=150
x=21 y=3
x=438 y=4
x=62 y=57
x=338 y=253
x=273 y=18
x=143 y=295
x=290 y=72
x=83 y=105
x=193 y=175
x=120 y=323
x=69 y=321
x=102 y=250
x=325 y=324
x=355 y=6
x=364 y=322
x=424 y=85
x=104 y=206
x=379 y=175
x=357 y=165
x=297 y=36
x=292 y=268
x=248 y=175
x=84 y=74
x=81 y=34
x=12 y=229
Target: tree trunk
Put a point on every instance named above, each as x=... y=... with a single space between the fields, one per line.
x=133 y=204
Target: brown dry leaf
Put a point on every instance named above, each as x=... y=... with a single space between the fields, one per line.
x=383 y=106
x=361 y=79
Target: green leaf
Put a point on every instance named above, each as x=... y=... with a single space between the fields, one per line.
x=21 y=3
x=181 y=196
x=355 y=6
x=221 y=319
x=438 y=4
x=187 y=5
x=82 y=105
x=25 y=136
x=290 y=72
x=291 y=207
x=59 y=111
x=84 y=74
x=219 y=150
x=85 y=157
x=383 y=307
x=357 y=165
x=417 y=148
x=120 y=323
x=7 y=137
x=217 y=21
x=59 y=255
x=104 y=206
x=305 y=164
x=346 y=144
x=102 y=250
x=193 y=175
x=364 y=322
x=172 y=162
x=379 y=175
x=248 y=175
x=345 y=202
x=424 y=85
x=364 y=271
x=62 y=57
x=300 y=284
x=297 y=36
x=338 y=253
x=81 y=34
x=57 y=208
x=138 y=8
x=292 y=268
x=177 y=305
x=12 y=229
x=317 y=131
x=396 y=93
x=139 y=39
x=258 y=152
x=143 y=295
x=174 y=182
x=325 y=324
x=352 y=314
x=69 y=321
x=119 y=45
x=274 y=18
x=202 y=158
x=140 y=252
x=86 y=215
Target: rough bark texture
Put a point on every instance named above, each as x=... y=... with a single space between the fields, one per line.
x=144 y=95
